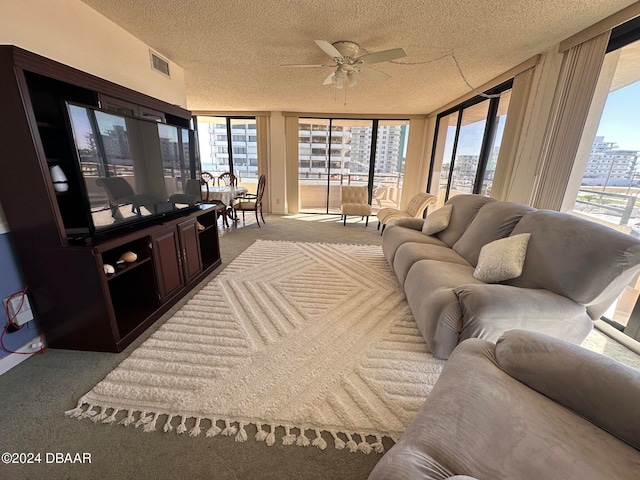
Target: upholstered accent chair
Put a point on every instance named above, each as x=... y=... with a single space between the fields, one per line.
x=355 y=201
x=415 y=209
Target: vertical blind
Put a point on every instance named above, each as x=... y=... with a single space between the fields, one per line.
x=578 y=77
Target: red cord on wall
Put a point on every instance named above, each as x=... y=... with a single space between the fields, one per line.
x=12 y=324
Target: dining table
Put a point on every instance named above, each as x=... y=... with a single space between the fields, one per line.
x=226 y=194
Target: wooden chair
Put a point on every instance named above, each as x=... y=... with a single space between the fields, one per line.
x=228 y=178
x=207 y=178
x=251 y=202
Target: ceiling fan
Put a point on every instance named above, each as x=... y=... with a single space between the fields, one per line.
x=349 y=66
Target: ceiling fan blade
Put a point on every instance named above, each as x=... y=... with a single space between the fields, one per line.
x=383 y=56
x=328 y=80
x=306 y=66
x=372 y=74
x=328 y=48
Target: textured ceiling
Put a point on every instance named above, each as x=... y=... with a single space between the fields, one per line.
x=231 y=51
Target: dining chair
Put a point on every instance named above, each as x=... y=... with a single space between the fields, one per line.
x=227 y=178
x=253 y=202
x=207 y=178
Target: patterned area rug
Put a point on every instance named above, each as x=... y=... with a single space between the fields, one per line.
x=295 y=338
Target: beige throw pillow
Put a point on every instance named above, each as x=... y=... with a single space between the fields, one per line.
x=502 y=259
x=437 y=221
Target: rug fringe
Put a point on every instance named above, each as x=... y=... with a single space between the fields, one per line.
x=232 y=428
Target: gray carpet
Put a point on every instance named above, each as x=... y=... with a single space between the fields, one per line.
x=37 y=392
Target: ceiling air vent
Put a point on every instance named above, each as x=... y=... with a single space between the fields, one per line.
x=160 y=64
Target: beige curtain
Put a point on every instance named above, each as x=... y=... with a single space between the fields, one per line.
x=508 y=156
x=263 y=134
x=578 y=77
x=415 y=175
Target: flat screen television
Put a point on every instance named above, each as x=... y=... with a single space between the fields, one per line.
x=132 y=169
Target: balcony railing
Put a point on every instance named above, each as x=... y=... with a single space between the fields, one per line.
x=607 y=204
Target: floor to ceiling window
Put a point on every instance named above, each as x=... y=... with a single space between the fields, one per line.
x=336 y=152
x=605 y=185
x=229 y=144
x=467 y=143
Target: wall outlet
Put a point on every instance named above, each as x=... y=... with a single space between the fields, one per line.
x=19 y=317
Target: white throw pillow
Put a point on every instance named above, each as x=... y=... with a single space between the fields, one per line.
x=437 y=221
x=502 y=259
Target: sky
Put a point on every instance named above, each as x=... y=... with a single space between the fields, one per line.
x=620 y=121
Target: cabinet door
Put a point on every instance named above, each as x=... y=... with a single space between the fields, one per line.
x=189 y=241
x=167 y=262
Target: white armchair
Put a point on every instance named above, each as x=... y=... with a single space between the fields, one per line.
x=415 y=209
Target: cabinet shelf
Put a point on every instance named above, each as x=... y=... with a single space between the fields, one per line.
x=126 y=267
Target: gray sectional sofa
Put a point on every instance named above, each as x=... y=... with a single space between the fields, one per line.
x=530 y=407
x=573 y=270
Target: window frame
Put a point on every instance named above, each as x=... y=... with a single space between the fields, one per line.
x=487 y=139
x=229 y=136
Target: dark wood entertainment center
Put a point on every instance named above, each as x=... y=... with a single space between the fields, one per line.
x=76 y=304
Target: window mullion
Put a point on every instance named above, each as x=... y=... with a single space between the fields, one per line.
x=372 y=156
x=487 y=142
x=229 y=144
x=453 y=153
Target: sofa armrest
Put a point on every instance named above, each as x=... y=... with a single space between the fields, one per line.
x=413 y=223
x=598 y=388
x=488 y=310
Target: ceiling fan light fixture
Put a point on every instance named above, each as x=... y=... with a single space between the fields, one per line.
x=349 y=64
x=338 y=78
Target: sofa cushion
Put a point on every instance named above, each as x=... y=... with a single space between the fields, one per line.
x=437 y=221
x=577 y=258
x=490 y=309
x=410 y=253
x=415 y=223
x=494 y=220
x=435 y=307
x=480 y=421
x=502 y=259
x=465 y=208
x=601 y=390
x=394 y=236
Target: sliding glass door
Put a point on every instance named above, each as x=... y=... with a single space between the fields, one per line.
x=336 y=152
x=391 y=150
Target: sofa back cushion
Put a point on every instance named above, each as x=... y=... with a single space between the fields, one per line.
x=494 y=221
x=579 y=259
x=465 y=208
x=596 y=387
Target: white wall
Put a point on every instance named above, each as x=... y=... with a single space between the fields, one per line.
x=71 y=33
x=74 y=34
